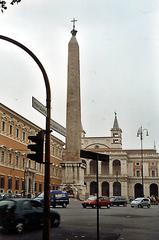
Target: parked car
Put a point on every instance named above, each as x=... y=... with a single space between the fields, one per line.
x=22 y=213
x=118 y=200
x=141 y=202
x=6 y=196
x=92 y=202
x=57 y=198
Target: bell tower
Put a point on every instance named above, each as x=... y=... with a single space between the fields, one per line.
x=116 y=134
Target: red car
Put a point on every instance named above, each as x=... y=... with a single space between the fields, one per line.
x=92 y=202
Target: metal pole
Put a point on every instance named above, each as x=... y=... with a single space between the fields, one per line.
x=46 y=228
x=142 y=162
x=98 y=237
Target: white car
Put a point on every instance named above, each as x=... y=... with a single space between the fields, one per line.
x=141 y=202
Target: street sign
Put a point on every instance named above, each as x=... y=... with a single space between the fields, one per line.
x=53 y=125
x=94 y=155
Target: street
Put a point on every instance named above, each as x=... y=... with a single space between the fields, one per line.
x=122 y=223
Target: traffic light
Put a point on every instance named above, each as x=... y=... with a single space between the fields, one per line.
x=37 y=147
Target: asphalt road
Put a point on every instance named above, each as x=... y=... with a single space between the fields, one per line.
x=116 y=223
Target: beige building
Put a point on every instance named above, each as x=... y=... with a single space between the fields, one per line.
x=122 y=175
x=18 y=174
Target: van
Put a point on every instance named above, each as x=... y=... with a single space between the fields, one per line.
x=57 y=198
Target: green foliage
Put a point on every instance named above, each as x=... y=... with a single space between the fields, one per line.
x=4 y=4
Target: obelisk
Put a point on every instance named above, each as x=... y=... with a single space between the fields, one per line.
x=73 y=117
x=72 y=166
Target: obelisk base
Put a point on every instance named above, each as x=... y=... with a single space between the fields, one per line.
x=73 y=179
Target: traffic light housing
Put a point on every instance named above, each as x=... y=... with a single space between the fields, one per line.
x=37 y=147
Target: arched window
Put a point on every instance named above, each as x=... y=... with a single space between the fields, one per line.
x=93 y=167
x=153 y=189
x=116 y=167
x=105 y=168
x=116 y=189
x=138 y=190
x=93 y=188
x=105 y=189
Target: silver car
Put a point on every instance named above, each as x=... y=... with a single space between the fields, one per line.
x=141 y=202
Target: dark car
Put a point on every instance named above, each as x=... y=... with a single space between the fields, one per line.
x=118 y=201
x=6 y=196
x=57 y=198
x=21 y=213
x=92 y=202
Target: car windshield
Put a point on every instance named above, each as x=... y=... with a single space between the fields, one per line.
x=112 y=198
x=138 y=199
x=41 y=195
x=92 y=198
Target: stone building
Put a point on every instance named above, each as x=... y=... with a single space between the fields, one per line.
x=122 y=175
x=17 y=173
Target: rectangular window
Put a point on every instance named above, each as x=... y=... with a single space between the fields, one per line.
x=17 y=161
x=2 y=182
x=23 y=185
x=11 y=130
x=9 y=182
x=138 y=173
x=153 y=173
x=2 y=157
x=10 y=159
x=3 y=126
x=17 y=184
x=17 y=133
x=23 y=136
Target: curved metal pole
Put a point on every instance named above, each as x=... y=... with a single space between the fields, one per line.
x=46 y=229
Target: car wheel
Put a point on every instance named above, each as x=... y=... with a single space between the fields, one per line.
x=93 y=206
x=64 y=205
x=139 y=206
x=84 y=205
x=55 y=222
x=148 y=206
x=19 y=227
x=108 y=206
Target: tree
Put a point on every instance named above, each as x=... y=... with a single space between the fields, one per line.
x=4 y=4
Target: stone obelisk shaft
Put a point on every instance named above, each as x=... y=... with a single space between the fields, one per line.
x=73 y=118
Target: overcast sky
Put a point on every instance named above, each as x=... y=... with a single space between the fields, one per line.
x=119 y=62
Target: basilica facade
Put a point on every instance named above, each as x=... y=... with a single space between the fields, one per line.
x=126 y=171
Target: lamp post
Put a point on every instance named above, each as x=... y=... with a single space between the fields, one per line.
x=140 y=133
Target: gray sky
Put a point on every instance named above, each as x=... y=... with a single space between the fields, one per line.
x=119 y=58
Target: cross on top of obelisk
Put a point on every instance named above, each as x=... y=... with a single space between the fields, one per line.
x=73 y=30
